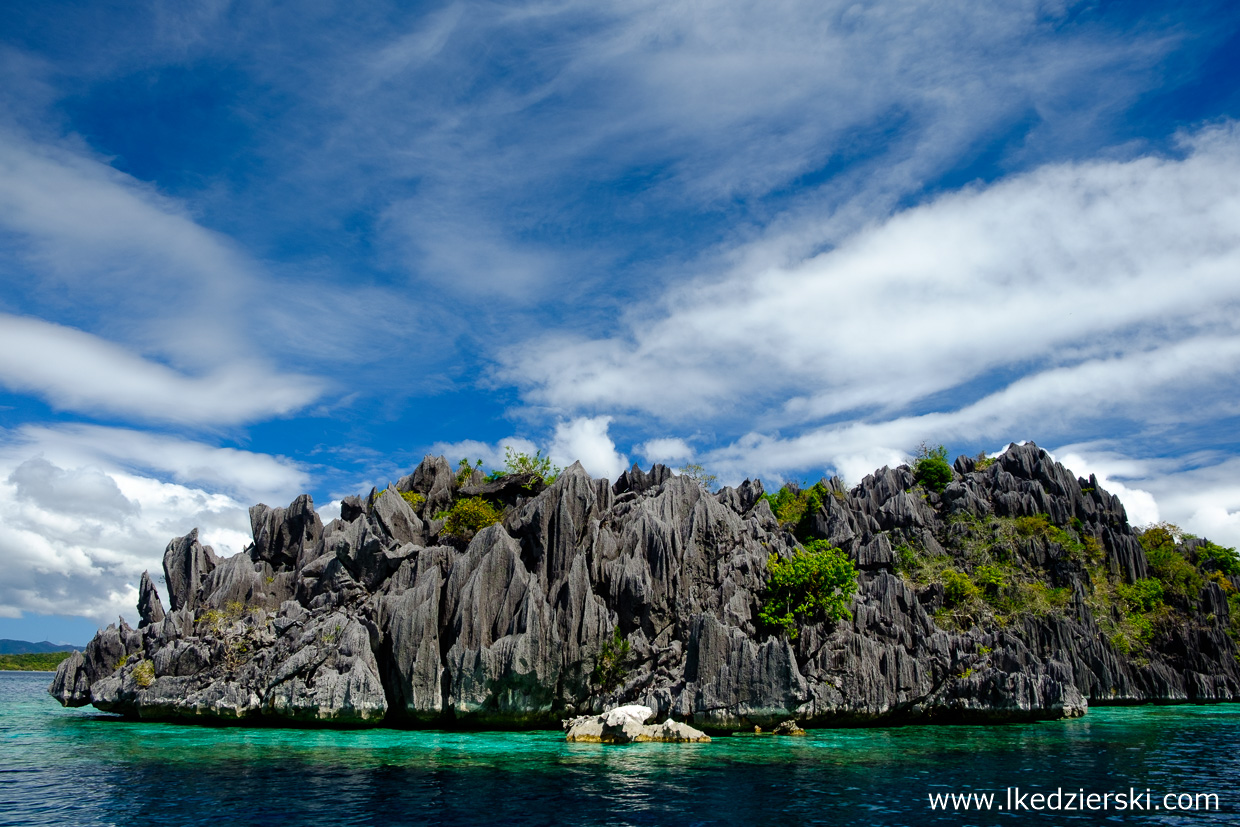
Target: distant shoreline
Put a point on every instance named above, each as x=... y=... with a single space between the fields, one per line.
x=37 y=662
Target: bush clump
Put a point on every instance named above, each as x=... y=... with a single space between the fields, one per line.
x=468 y=516
x=144 y=673
x=1213 y=557
x=611 y=664
x=1145 y=595
x=815 y=584
x=958 y=589
x=931 y=468
x=414 y=499
x=792 y=506
x=1179 y=578
x=519 y=462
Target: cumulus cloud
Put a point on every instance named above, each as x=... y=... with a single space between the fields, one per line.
x=491 y=454
x=585 y=440
x=1140 y=504
x=84 y=511
x=247 y=475
x=666 y=449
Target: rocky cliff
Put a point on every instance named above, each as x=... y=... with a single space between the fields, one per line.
x=1015 y=593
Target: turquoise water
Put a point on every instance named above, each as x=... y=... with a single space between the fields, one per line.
x=78 y=767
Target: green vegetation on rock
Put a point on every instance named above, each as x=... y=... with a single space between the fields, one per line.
x=815 y=584
x=931 y=468
x=468 y=516
x=699 y=475
x=793 y=507
x=611 y=663
x=1181 y=580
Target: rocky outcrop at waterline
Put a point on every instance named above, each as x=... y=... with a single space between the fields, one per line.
x=1007 y=596
x=626 y=725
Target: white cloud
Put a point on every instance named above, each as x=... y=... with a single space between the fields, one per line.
x=244 y=474
x=1053 y=405
x=84 y=510
x=492 y=455
x=77 y=371
x=690 y=107
x=1140 y=505
x=666 y=449
x=585 y=440
x=1070 y=262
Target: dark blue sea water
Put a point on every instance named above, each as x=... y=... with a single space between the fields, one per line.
x=77 y=767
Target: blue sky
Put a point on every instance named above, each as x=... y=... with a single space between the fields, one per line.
x=257 y=249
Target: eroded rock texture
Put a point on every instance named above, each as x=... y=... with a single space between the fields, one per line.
x=379 y=617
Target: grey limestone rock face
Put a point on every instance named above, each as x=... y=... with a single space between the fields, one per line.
x=590 y=596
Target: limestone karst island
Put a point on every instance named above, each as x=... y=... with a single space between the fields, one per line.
x=991 y=590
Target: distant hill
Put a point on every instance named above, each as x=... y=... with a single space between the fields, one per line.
x=35 y=662
x=25 y=647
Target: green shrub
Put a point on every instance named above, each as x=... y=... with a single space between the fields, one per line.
x=610 y=665
x=794 y=507
x=983 y=462
x=1093 y=548
x=518 y=462
x=906 y=558
x=468 y=516
x=931 y=468
x=1160 y=537
x=815 y=584
x=1145 y=595
x=1179 y=578
x=1037 y=525
x=1217 y=558
x=958 y=589
x=992 y=580
x=414 y=499
x=144 y=673
x=1233 y=615
x=698 y=474
x=1223 y=582
x=1142 y=627
x=464 y=471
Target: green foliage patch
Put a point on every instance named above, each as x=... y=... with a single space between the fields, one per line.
x=144 y=673
x=464 y=470
x=815 y=584
x=1181 y=580
x=931 y=469
x=468 y=516
x=519 y=462
x=1213 y=557
x=36 y=662
x=611 y=663
x=793 y=507
x=1145 y=595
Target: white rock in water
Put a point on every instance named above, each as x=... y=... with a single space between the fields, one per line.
x=626 y=724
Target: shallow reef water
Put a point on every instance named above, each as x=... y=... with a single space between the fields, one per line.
x=79 y=767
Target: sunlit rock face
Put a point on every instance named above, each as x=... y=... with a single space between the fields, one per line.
x=382 y=617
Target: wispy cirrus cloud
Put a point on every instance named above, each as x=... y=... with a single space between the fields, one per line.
x=1066 y=265
x=77 y=371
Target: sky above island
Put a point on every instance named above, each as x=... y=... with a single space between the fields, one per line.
x=253 y=250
